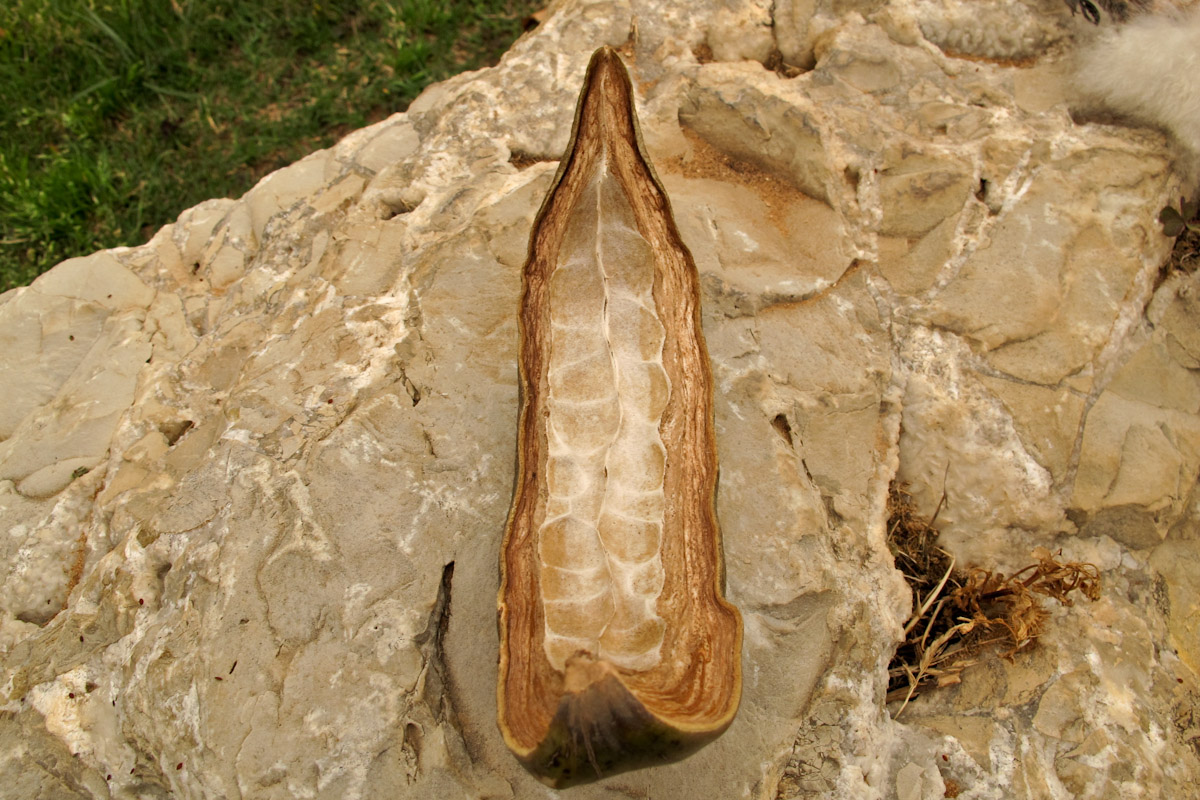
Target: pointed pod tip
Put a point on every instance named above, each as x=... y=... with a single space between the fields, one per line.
x=607 y=73
x=606 y=56
x=607 y=88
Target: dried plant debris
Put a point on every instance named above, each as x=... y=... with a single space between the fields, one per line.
x=1182 y=223
x=961 y=616
x=1119 y=10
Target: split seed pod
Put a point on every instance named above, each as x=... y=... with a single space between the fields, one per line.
x=617 y=646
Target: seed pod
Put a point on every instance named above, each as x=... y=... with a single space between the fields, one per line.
x=617 y=646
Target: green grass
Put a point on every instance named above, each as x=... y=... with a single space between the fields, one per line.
x=115 y=115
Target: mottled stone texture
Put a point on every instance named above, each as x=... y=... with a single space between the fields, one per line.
x=238 y=462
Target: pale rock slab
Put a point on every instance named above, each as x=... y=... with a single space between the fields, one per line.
x=254 y=474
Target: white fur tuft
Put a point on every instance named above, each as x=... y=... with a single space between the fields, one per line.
x=1149 y=70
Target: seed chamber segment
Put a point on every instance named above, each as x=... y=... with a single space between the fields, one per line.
x=599 y=545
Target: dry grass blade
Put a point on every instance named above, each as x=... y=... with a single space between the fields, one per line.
x=959 y=614
x=920 y=613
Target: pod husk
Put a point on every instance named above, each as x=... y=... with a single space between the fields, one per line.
x=594 y=718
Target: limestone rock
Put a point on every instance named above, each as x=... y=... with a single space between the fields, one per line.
x=254 y=473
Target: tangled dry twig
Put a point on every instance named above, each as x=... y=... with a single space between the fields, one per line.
x=961 y=614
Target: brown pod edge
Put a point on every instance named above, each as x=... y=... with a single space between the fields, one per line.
x=594 y=714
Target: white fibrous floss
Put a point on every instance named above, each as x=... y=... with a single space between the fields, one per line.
x=1149 y=70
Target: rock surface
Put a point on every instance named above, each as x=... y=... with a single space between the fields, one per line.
x=254 y=473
